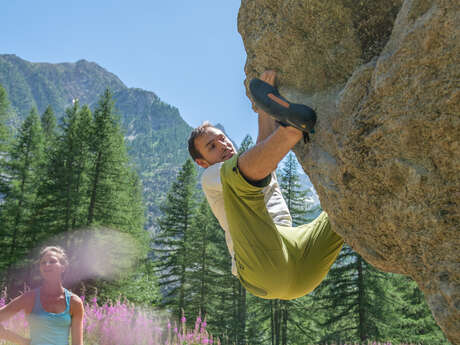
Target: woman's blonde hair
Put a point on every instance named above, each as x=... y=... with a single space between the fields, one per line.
x=63 y=259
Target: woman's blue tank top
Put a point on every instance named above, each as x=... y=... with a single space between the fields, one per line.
x=49 y=328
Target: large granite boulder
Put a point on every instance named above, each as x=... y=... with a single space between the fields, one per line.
x=384 y=77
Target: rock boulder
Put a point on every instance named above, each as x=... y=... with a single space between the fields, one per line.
x=384 y=78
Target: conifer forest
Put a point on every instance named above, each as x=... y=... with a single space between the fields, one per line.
x=68 y=173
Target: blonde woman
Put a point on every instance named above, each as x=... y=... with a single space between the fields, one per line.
x=53 y=312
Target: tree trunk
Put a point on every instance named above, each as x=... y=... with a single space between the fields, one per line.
x=182 y=277
x=203 y=276
x=284 y=314
x=18 y=216
x=68 y=196
x=242 y=316
x=361 y=311
x=92 y=203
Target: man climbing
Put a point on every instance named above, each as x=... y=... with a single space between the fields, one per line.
x=271 y=258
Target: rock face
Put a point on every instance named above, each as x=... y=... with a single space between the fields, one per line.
x=384 y=77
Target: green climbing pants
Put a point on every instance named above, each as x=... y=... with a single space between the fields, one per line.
x=274 y=261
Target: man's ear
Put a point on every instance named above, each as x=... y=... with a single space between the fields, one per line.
x=202 y=162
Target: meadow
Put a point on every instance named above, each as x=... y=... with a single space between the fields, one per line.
x=122 y=323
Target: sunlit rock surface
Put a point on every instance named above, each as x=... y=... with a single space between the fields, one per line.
x=384 y=77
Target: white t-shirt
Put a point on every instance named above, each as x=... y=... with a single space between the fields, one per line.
x=274 y=202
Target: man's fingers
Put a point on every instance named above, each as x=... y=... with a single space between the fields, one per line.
x=264 y=76
x=269 y=77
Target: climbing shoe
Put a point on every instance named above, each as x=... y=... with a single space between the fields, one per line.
x=286 y=113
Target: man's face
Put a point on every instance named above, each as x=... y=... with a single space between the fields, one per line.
x=214 y=146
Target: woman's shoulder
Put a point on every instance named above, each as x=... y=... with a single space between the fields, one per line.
x=76 y=303
x=74 y=298
x=29 y=295
x=24 y=302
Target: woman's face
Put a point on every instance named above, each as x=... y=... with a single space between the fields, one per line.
x=50 y=266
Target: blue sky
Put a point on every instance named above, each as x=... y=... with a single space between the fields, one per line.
x=188 y=52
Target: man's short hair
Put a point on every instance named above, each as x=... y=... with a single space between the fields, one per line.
x=197 y=132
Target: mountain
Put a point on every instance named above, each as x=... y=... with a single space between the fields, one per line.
x=41 y=84
x=155 y=132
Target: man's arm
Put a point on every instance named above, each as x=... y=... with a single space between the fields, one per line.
x=267 y=124
x=262 y=159
x=273 y=143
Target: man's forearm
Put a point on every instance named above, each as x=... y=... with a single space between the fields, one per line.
x=262 y=159
x=267 y=125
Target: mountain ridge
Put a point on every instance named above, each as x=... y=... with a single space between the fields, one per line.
x=155 y=132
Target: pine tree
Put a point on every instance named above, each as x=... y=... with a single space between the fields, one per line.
x=259 y=326
x=134 y=213
x=283 y=314
x=96 y=185
x=201 y=271
x=300 y=321
x=227 y=297
x=301 y=207
x=239 y=292
x=139 y=286
x=85 y=148
x=352 y=300
x=103 y=148
x=110 y=176
x=170 y=244
x=25 y=169
x=414 y=322
x=64 y=195
x=49 y=124
x=212 y=286
x=5 y=138
x=246 y=144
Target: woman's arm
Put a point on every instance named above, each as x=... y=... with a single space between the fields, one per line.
x=13 y=337
x=76 y=312
x=23 y=302
x=15 y=306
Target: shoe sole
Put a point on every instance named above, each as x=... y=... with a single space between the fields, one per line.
x=268 y=99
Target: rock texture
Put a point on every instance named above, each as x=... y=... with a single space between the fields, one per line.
x=384 y=77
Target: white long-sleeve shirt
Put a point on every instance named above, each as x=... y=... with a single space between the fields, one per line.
x=274 y=202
